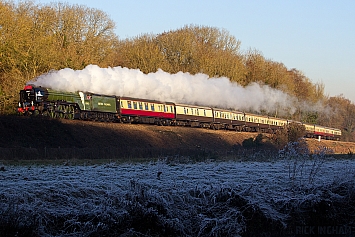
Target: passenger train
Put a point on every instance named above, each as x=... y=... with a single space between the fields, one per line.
x=91 y=106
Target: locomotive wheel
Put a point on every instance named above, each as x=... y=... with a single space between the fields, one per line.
x=70 y=112
x=60 y=111
x=45 y=113
x=51 y=114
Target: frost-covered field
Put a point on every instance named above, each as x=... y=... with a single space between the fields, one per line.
x=280 y=198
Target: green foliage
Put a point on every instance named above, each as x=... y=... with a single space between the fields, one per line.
x=310 y=117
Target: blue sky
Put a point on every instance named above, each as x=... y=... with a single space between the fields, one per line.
x=316 y=37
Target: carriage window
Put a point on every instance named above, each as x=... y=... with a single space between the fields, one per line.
x=171 y=109
x=204 y=112
x=135 y=105
x=146 y=106
x=152 y=107
x=184 y=110
x=129 y=104
x=121 y=104
x=140 y=105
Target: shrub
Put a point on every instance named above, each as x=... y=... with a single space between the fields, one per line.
x=253 y=142
x=292 y=132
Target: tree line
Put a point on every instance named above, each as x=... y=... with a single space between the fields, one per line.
x=35 y=39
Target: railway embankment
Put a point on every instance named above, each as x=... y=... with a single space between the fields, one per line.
x=33 y=138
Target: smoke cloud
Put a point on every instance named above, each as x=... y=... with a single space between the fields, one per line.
x=181 y=87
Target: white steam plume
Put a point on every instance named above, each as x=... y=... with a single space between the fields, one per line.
x=179 y=88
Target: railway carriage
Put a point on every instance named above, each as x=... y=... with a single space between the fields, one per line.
x=276 y=123
x=249 y=122
x=145 y=111
x=337 y=133
x=262 y=123
x=323 y=132
x=238 y=120
x=309 y=130
x=195 y=116
x=316 y=131
x=222 y=119
x=256 y=123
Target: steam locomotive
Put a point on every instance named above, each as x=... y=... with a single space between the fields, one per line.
x=91 y=106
